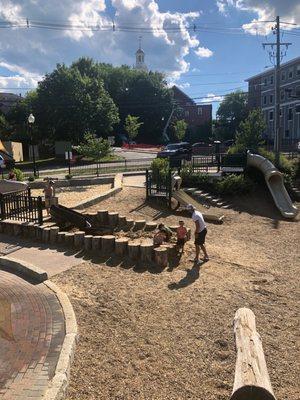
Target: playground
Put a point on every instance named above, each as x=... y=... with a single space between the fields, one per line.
x=168 y=334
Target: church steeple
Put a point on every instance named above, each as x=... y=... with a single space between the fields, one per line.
x=140 y=57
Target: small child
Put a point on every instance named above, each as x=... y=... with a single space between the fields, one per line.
x=49 y=194
x=159 y=238
x=182 y=235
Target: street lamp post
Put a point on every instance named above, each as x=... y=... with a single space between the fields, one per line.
x=31 y=120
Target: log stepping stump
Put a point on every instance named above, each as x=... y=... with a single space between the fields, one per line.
x=171 y=249
x=61 y=237
x=121 y=246
x=96 y=243
x=88 y=242
x=113 y=219
x=139 y=225
x=122 y=221
x=108 y=244
x=150 y=226
x=146 y=250
x=251 y=380
x=46 y=235
x=161 y=257
x=102 y=216
x=79 y=239
x=134 y=250
x=69 y=239
x=53 y=234
x=129 y=223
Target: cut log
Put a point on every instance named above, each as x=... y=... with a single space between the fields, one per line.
x=38 y=232
x=17 y=229
x=122 y=221
x=31 y=230
x=129 y=223
x=150 y=226
x=174 y=228
x=88 y=242
x=146 y=251
x=96 y=243
x=171 y=249
x=161 y=256
x=79 y=239
x=53 y=234
x=139 y=225
x=46 y=235
x=61 y=237
x=69 y=239
x=121 y=246
x=133 y=250
x=113 y=219
x=108 y=244
x=251 y=380
x=102 y=216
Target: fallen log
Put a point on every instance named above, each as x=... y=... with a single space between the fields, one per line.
x=251 y=380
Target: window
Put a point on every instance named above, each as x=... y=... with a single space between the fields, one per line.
x=272 y=79
x=271 y=98
x=265 y=99
x=280 y=112
x=297 y=109
x=186 y=113
x=287 y=134
x=271 y=115
x=290 y=114
x=289 y=93
x=298 y=70
x=265 y=81
x=199 y=110
x=283 y=76
x=298 y=92
x=282 y=95
x=291 y=73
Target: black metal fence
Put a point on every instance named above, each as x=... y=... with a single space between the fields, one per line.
x=159 y=184
x=21 y=206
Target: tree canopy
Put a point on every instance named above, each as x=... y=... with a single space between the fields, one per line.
x=180 y=127
x=132 y=126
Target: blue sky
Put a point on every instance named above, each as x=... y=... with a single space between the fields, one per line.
x=207 y=63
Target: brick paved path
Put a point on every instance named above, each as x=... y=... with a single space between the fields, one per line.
x=32 y=330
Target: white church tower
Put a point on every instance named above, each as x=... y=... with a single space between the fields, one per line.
x=140 y=58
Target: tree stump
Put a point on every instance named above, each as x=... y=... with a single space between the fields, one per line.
x=69 y=239
x=139 y=225
x=121 y=246
x=102 y=216
x=129 y=223
x=146 y=251
x=88 y=242
x=171 y=249
x=150 y=226
x=31 y=230
x=61 y=237
x=134 y=250
x=122 y=221
x=174 y=228
x=113 y=219
x=108 y=244
x=96 y=243
x=79 y=239
x=53 y=234
x=251 y=380
x=46 y=235
x=17 y=229
x=161 y=256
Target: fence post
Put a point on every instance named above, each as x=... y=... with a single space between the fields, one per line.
x=97 y=169
x=2 y=207
x=170 y=188
x=147 y=183
x=125 y=164
x=217 y=153
x=40 y=210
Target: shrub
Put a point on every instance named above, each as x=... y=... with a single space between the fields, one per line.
x=31 y=178
x=198 y=180
x=19 y=174
x=69 y=176
x=234 y=184
x=160 y=168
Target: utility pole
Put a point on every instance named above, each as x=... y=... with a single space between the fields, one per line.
x=277 y=55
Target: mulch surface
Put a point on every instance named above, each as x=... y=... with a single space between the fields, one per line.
x=149 y=334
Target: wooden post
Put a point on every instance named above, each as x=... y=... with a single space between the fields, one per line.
x=129 y=223
x=79 y=239
x=96 y=243
x=169 y=185
x=53 y=234
x=251 y=380
x=88 y=242
x=102 y=216
x=150 y=226
x=139 y=225
x=61 y=237
x=121 y=246
x=108 y=244
x=170 y=249
x=146 y=251
x=147 y=182
x=113 y=219
x=122 y=221
x=46 y=235
x=133 y=250
x=69 y=239
x=161 y=256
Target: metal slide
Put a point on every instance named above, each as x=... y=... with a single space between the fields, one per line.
x=275 y=184
x=184 y=199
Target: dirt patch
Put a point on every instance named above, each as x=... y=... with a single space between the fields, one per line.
x=150 y=335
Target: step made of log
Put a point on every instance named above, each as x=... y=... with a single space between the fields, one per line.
x=113 y=219
x=79 y=239
x=53 y=234
x=102 y=216
x=122 y=221
x=174 y=228
x=146 y=250
x=96 y=243
x=46 y=235
x=121 y=246
x=108 y=244
x=69 y=239
x=129 y=223
x=133 y=250
x=61 y=237
x=150 y=226
x=88 y=242
x=139 y=225
x=161 y=257
x=171 y=249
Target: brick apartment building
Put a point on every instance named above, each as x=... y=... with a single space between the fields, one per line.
x=195 y=115
x=262 y=95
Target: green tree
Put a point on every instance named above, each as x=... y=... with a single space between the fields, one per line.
x=250 y=133
x=180 y=127
x=94 y=148
x=132 y=126
x=232 y=111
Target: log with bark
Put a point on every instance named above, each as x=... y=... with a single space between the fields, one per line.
x=134 y=250
x=88 y=242
x=121 y=246
x=96 y=243
x=146 y=251
x=53 y=234
x=139 y=225
x=113 y=219
x=150 y=226
x=102 y=216
x=69 y=239
x=251 y=380
x=108 y=244
x=79 y=239
x=161 y=256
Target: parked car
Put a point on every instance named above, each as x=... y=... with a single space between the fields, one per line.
x=181 y=150
x=228 y=143
x=201 y=148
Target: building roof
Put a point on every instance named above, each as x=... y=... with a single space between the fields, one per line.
x=286 y=64
x=176 y=88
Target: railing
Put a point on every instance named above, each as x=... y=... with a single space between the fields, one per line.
x=204 y=163
x=159 y=185
x=22 y=207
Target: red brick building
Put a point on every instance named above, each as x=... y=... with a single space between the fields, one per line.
x=196 y=116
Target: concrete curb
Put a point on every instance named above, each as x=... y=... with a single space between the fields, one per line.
x=24 y=268
x=58 y=386
x=118 y=182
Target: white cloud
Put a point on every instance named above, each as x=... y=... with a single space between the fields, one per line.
x=266 y=10
x=203 y=52
x=21 y=79
x=39 y=50
x=211 y=97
